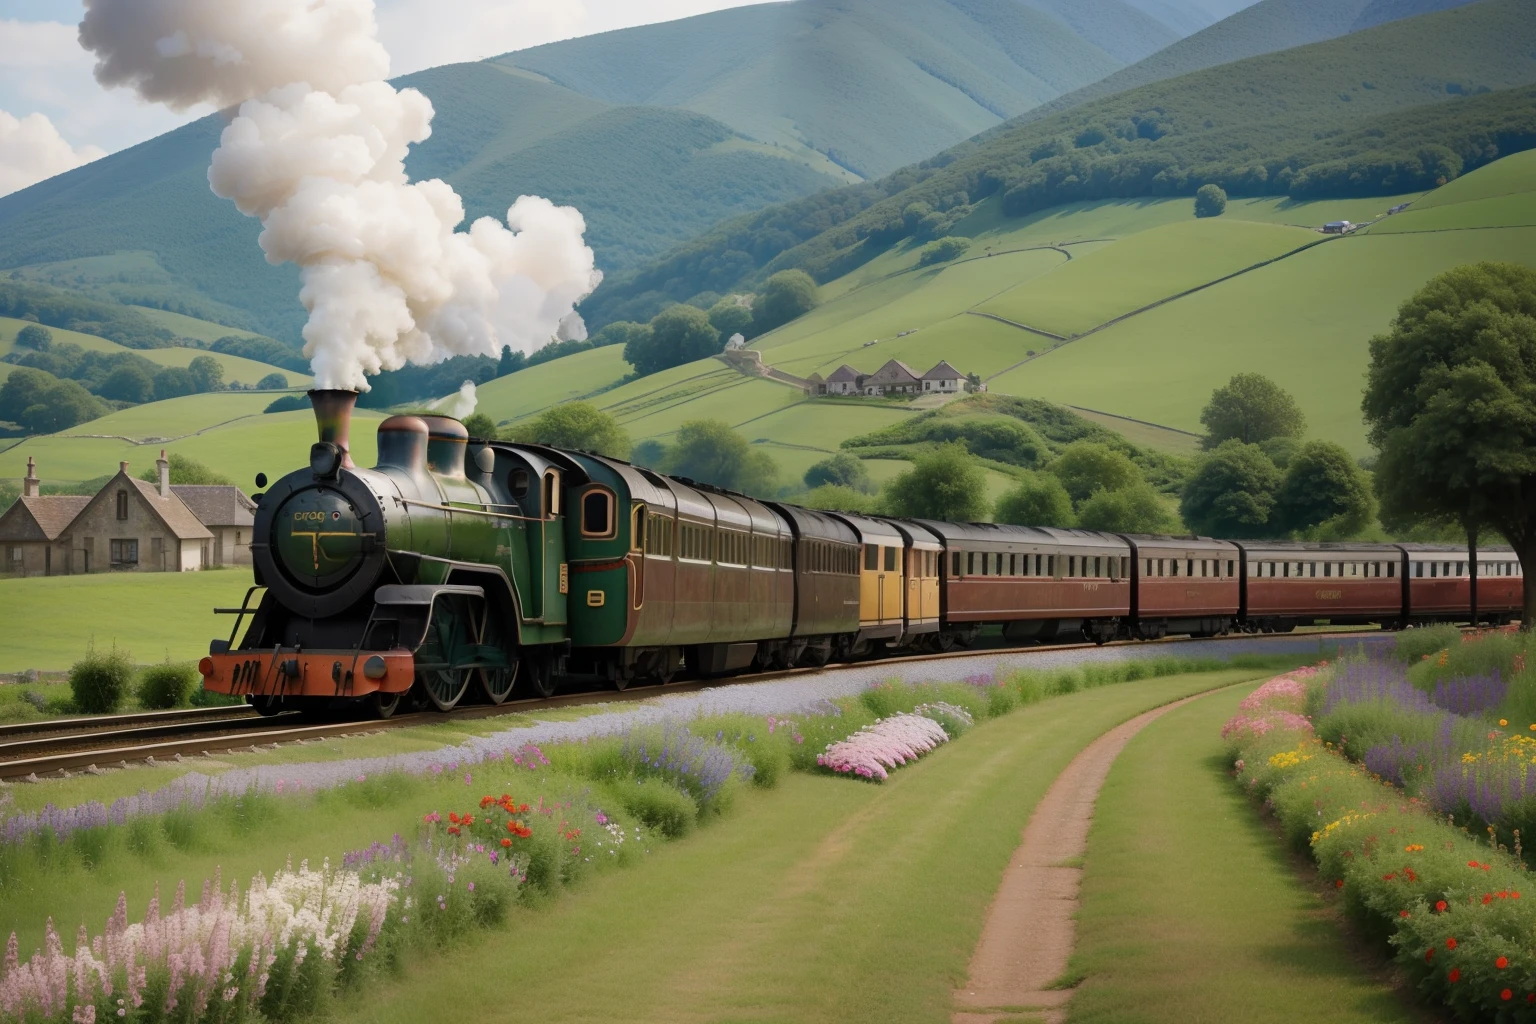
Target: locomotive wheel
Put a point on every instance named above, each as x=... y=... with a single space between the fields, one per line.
x=496 y=681
x=383 y=705
x=539 y=680
x=449 y=645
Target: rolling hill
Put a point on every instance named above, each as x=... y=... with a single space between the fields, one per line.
x=1265 y=27
x=909 y=77
x=1378 y=111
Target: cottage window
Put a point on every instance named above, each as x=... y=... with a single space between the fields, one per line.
x=122 y=504
x=124 y=552
x=13 y=557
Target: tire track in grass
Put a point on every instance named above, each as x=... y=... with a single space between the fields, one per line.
x=1192 y=910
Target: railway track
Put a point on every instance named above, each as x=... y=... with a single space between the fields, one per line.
x=65 y=747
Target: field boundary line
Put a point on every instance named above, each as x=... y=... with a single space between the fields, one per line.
x=1132 y=419
x=1031 y=928
x=1015 y=323
x=1154 y=305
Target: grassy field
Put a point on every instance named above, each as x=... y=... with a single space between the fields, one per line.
x=1192 y=912
x=48 y=622
x=236 y=368
x=529 y=392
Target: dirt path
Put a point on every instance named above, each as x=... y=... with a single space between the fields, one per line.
x=1031 y=924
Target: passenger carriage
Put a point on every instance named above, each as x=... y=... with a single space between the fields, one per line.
x=1183 y=585
x=1440 y=583
x=1291 y=584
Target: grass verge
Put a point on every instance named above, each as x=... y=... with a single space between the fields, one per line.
x=1193 y=912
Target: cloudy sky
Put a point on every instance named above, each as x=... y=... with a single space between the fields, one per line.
x=53 y=115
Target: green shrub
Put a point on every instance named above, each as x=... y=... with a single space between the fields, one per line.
x=657 y=804
x=13 y=711
x=99 y=682
x=167 y=686
x=1472 y=654
x=1414 y=644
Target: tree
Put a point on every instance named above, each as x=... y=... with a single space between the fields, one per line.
x=480 y=425
x=1040 y=499
x=1252 y=409
x=581 y=426
x=173 y=382
x=35 y=336
x=185 y=470
x=1450 y=402
x=679 y=334
x=207 y=374
x=943 y=250
x=786 y=295
x=272 y=382
x=1232 y=493
x=128 y=384
x=841 y=470
x=43 y=404
x=509 y=362
x=1134 y=509
x=711 y=452
x=621 y=332
x=730 y=317
x=1210 y=201
x=1323 y=487
x=1087 y=466
x=649 y=453
x=837 y=498
x=945 y=483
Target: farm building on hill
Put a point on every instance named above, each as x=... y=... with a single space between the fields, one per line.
x=894 y=378
x=943 y=378
x=844 y=380
x=129 y=525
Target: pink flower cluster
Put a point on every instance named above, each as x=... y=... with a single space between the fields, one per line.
x=208 y=960
x=892 y=741
x=1274 y=706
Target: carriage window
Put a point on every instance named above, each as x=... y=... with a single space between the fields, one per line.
x=1433 y=569
x=1391 y=570
x=871 y=557
x=954 y=563
x=1098 y=566
x=517 y=483
x=597 y=514
x=1461 y=568
x=551 y=494
x=1071 y=565
x=637 y=536
x=890 y=559
x=1327 y=568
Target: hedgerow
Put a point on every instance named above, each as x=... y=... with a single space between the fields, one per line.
x=1448 y=902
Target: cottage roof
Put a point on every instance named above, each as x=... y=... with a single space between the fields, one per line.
x=816 y=378
x=893 y=372
x=217 y=504
x=171 y=510
x=943 y=372
x=844 y=374
x=42 y=517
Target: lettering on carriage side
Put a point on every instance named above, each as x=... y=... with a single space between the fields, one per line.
x=1329 y=595
x=1090 y=586
x=1192 y=592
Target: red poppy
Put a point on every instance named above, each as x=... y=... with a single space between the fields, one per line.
x=1450 y=943
x=1487 y=898
x=1515 y=895
x=1531 y=997
x=506 y=842
x=1339 y=884
x=1471 y=863
x=1501 y=963
x=1440 y=906
x=1454 y=976
x=453 y=816
x=1403 y=913
x=1506 y=995
x=1429 y=954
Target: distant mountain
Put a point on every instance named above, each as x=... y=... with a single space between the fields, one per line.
x=1265 y=27
x=1376 y=112
x=873 y=84
x=646 y=178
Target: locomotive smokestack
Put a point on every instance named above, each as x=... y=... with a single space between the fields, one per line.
x=333 y=416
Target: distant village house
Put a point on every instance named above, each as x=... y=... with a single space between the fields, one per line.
x=894 y=378
x=130 y=525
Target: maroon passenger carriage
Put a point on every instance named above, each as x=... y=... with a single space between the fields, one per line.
x=1291 y=584
x=1440 y=584
x=1183 y=585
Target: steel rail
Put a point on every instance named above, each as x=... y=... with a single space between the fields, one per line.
x=255 y=732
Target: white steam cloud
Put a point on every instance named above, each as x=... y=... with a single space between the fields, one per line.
x=459 y=404
x=32 y=149
x=317 y=153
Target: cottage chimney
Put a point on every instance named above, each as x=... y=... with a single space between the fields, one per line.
x=29 y=486
x=333 y=417
x=163 y=466
x=122 y=467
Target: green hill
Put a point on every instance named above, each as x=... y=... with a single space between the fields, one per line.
x=1383 y=110
x=1265 y=27
x=873 y=84
x=142 y=225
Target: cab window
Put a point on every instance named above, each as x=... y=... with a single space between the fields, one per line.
x=597 y=513
x=890 y=559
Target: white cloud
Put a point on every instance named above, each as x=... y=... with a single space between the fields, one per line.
x=31 y=149
x=425 y=33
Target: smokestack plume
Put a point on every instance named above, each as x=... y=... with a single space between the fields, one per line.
x=333 y=417
x=317 y=153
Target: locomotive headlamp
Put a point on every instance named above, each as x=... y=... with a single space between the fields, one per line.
x=325 y=459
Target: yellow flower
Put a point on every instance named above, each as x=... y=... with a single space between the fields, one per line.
x=1503 y=721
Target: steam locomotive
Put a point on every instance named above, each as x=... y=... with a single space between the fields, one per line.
x=459 y=563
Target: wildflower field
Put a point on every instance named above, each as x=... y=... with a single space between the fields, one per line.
x=1410 y=777
x=396 y=868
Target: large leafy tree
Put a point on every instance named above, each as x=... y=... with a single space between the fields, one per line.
x=840 y=470
x=1040 y=499
x=1324 y=488
x=1134 y=509
x=1087 y=466
x=578 y=425
x=710 y=451
x=1232 y=493
x=785 y=295
x=1450 y=402
x=1251 y=408
x=945 y=483
x=679 y=334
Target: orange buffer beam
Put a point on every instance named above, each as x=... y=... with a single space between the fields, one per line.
x=310 y=674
